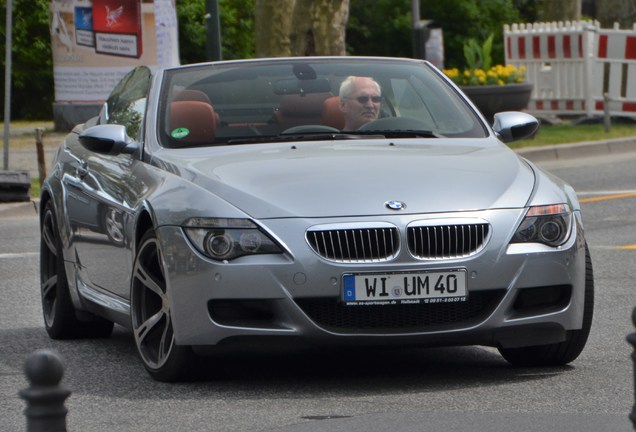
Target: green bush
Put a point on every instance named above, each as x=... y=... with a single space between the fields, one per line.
x=237 y=30
x=462 y=20
x=32 y=64
x=383 y=27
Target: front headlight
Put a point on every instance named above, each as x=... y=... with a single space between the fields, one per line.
x=549 y=225
x=226 y=239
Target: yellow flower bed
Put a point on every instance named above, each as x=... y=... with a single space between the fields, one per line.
x=496 y=75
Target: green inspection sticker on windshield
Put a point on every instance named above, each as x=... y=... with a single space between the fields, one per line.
x=180 y=133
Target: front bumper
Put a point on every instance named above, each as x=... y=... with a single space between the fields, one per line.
x=517 y=295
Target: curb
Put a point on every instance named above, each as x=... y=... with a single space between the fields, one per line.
x=578 y=150
x=20 y=209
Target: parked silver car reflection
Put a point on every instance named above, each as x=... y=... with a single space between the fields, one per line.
x=228 y=200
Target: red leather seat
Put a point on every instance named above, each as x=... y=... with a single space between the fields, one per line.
x=331 y=114
x=295 y=109
x=195 y=95
x=192 y=122
x=192 y=95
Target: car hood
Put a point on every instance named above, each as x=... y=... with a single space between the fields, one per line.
x=357 y=178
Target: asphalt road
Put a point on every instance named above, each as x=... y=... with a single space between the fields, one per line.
x=441 y=389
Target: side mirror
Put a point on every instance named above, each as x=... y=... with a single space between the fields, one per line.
x=513 y=125
x=108 y=139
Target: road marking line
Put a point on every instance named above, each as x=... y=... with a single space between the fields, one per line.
x=613 y=248
x=608 y=197
x=605 y=192
x=18 y=255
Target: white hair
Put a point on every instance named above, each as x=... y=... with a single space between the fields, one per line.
x=346 y=87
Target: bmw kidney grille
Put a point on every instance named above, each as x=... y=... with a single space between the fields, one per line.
x=447 y=241
x=376 y=243
x=355 y=245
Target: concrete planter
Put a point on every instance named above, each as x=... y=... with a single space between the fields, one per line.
x=491 y=99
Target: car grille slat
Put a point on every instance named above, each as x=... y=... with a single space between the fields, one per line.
x=355 y=245
x=447 y=241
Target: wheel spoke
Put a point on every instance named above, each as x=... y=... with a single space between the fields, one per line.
x=49 y=238
x=148 y=280
x=166 y=341
x=146 y=327
x=48 y=287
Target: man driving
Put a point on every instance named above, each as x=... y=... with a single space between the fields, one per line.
x=360 y=99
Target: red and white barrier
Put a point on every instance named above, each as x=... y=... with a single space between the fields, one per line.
x=616 y=63
x=573 y=65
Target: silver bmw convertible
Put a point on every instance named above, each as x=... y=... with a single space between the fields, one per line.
x=342 y=200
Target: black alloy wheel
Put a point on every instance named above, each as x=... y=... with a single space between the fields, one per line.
x=151 y=319
x=60 y=318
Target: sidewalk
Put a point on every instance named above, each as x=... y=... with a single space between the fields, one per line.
x=20 y=210
x=26 y=159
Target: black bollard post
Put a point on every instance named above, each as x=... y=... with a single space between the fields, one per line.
x=45 y=397
x=632 y=340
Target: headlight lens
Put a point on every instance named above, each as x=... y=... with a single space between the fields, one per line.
x=227 y=239
x=549 y=225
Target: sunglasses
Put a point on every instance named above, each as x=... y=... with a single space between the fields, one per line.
x=365 y=99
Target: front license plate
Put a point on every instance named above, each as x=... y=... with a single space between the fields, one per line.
x=399 y=288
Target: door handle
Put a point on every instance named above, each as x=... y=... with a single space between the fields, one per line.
x=82 y=170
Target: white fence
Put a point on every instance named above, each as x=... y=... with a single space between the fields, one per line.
x=573 y=65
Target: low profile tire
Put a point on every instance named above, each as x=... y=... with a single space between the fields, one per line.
x=151 y=318
x=564 y=352
x=60 y=319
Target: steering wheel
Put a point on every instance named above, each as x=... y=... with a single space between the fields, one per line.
x=308 y=128
x=395 y=123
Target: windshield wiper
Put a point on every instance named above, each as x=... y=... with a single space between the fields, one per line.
x=305 y=136
x=399 y=133
x=343 y=135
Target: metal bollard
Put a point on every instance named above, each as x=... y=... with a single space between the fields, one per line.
x=45 y=398
x=607 y=118
x=39 y=146
x=632 y=340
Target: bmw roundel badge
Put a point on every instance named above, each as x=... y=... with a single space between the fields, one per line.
x=395 y=205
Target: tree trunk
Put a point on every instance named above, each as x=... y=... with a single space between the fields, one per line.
x=318 y=27
x=621 y=11
x=300 y=27
x=561 y=10
x=272 y=24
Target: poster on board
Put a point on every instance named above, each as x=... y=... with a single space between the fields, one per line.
x=96 y=42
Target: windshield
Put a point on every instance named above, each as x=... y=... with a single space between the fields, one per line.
x=310 y=98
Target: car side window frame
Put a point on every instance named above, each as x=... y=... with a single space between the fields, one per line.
x=126 y=104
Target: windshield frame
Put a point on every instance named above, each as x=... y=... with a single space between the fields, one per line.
x=309 y=77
